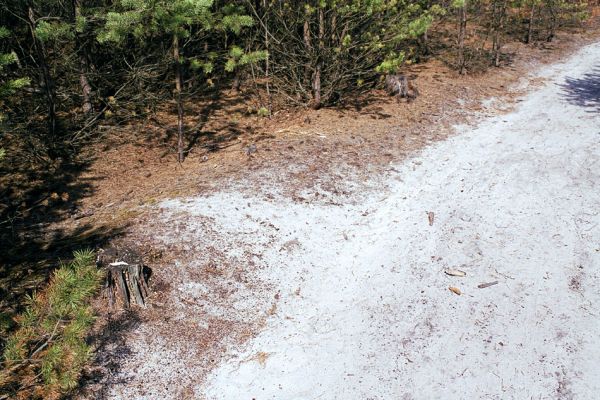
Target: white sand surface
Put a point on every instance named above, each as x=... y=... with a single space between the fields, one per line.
x=364 y=310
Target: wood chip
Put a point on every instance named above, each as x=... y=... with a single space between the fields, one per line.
x=455 y=272
x=455 y=290
x=261 y=357
x=430 y=216
x=118 y=264
x=484 y=285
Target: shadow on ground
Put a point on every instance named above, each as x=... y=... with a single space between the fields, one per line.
x=41 y=224
x=111 y=351
x=584 y=91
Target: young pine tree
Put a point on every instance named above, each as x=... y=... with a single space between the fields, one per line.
x=461 y=6
x=159 y=20
x=44 y=356
x=8 y=85
x=176 y=21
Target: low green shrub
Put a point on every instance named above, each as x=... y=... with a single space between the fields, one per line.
x=44 y=357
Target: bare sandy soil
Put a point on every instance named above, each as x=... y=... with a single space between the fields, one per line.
x=343 y=294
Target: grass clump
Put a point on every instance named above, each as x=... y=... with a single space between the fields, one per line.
x=44 y=357
x=263 y=112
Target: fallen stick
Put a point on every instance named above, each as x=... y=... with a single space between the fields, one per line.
x=484 y=285
x=455 y=272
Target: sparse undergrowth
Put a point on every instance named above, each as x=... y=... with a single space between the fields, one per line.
x=44 y=357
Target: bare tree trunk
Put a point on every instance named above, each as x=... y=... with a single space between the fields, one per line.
x=306 y=33
x=317 y=88
x=530 y=25
x=462 y=31
x=493 y=29
x=424 y=43
x=553 y=23
x=178 y=100
x=497 y=31
x=308 y=73
x=317 y=76
x=49 y=88
x=86 y=88
x=237 y=82
x=267 y=61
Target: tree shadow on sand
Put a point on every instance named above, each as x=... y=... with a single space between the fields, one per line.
x=111 y=353
x=584 y=91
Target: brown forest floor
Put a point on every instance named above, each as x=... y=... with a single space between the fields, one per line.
x=360 y=137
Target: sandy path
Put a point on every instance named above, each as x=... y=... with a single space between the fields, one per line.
x=364 y=310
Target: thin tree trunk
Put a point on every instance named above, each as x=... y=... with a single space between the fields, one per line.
x=49 y=88
x=267 y=61
x=178 y=100
x=317 y=76
x=493 y=29
x=530 y=26
x=306 y=32
x=86 y=88
x=308 y=73
x=497 y=32
x=317 y=88
x=424 y=42
x=462 y=30
x=553 y=23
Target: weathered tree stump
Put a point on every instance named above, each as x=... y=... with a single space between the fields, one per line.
x=126 y=277
x=401 y=87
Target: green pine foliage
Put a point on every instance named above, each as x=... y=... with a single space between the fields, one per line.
x=43 y=358
x=232 y=17
x=347 y=44
x=238 y=58
x=9 y=85
x=143 y=19
x=123 y=48
x=56 y=31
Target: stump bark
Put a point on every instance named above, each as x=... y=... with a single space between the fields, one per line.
x=401 y=87
x=126 y=277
